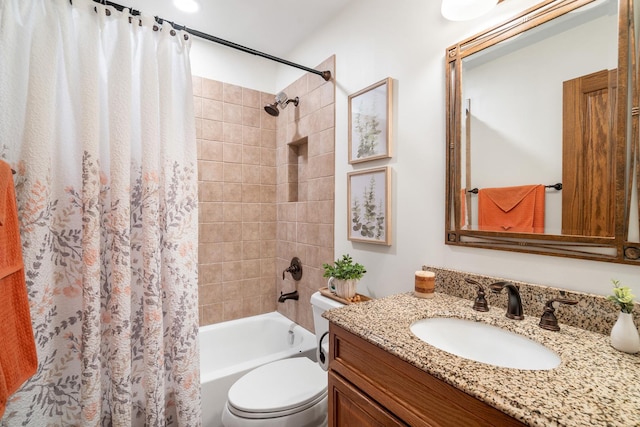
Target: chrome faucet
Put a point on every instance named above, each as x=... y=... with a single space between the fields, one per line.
x=514 y=307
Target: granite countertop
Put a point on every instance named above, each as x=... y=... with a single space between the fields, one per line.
x=593 y=385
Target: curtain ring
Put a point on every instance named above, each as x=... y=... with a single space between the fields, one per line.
x=172 y=32
x=186 y=36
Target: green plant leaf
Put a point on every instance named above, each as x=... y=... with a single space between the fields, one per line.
x=344 y=269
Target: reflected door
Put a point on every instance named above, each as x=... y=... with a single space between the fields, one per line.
x=588 y=158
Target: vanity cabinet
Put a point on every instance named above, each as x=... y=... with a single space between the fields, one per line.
x=351 y=407
x=369 y=386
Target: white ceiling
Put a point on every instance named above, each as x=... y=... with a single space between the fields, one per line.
x=270 y=26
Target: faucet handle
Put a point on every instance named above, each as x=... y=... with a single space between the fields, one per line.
x=480 y=303
x=548 y=320
x=295 y=268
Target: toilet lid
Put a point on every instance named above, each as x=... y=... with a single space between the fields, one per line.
x=279 y=386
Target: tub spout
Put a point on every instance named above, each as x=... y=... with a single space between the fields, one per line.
x=291 y=295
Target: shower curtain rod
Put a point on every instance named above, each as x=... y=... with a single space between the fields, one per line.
x=326 y=75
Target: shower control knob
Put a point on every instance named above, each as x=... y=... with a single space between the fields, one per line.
x=295 y=268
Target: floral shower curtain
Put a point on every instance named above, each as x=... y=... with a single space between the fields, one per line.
x=96 y=117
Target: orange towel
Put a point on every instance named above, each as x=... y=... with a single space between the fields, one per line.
x=18 y=360
x=517 y=209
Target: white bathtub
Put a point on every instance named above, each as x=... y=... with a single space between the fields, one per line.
x=230 y=349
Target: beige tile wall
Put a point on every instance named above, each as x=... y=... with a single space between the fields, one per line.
x=305 y=191
x=237 y=186
x=266 y=189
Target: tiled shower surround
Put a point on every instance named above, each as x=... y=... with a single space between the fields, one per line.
x=266 y=189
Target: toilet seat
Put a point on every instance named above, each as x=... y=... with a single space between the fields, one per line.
x=278 y=389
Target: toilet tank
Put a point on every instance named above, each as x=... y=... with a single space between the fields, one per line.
x=320 y=304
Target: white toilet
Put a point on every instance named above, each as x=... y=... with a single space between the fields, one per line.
x=286 y=393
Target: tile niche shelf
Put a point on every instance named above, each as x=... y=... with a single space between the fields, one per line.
x=297 y=164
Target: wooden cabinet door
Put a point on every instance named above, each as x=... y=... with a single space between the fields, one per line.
x=348 y=407
x=588 y=155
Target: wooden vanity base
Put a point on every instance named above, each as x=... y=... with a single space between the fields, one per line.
x=370 y=387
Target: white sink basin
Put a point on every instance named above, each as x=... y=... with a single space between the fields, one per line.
x=485 y=343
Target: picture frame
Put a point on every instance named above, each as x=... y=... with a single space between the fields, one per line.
x=370 y=119
x=369 y=201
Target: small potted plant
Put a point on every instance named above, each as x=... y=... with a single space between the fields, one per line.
x=343 y=276
x=624 y=334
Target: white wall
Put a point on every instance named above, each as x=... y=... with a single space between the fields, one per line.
x=406 y=40
x=228 y=65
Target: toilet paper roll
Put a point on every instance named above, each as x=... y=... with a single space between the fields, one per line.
x=322 y=352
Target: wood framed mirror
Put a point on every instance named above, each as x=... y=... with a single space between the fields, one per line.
x=542 y=133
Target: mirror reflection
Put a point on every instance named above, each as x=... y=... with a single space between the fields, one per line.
x=524 y=103
x=542 y=129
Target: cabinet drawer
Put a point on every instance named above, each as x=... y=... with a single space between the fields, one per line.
x=409 y=393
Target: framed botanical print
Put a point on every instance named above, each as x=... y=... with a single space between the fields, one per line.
x=370 y=122
x=369 y=201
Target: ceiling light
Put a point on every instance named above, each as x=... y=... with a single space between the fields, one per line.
x=463 y=10
x=189 y=6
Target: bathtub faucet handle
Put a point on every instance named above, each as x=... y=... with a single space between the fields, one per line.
x=295 y=268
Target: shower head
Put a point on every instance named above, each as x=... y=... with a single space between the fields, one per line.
x=272 y=109
x=281 y=100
